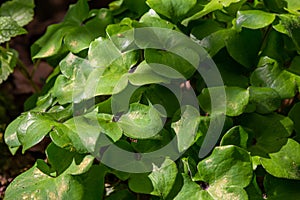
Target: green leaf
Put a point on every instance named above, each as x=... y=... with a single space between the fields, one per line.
x=86 y=130
x=33 y=128
x=173 y=9
x=10 y=135
x=244 y=46
x=206 y=28
x=237 y=136
x=236 y=100
x=94 y=182
x=75 y=33
x=35 y=184
x=66 y=136
x=293 y=5
x=77 y=12
x=289 y=25
x=253 y=190
x=192 y=190
x=208 y=8
x=109 y=127
x=269 y=74
x=9 y=28
x=171 y=63
x=8 y=61
x=163 y=96
x=80 y=37
x=43 y=48
x=152 y=144
x=224 y=174
x=141 y=121
x=139 y=7
x=122 y=34
x=163 y=178
x=113 y=78
x=253 y=19
x=285 y=163
x=186 y=128
x=277 y=188
x=70 y=86
x=214 y=42
x=103 y=52
x=152 y=19
x=144 y=75
x=266 y=100
x=20 y=11
x=270 y=132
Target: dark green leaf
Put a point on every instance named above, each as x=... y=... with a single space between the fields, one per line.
x=244 y=46
x=294 y=114
x=59 y=159
x=281 y=188
x=270 y=132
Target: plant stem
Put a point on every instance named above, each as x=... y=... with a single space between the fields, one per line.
x=35 y=66
x=25 y=72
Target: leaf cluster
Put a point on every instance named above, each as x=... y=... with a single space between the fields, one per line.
x=256 y=48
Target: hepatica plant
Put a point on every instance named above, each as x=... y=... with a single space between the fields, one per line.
x=166 y=99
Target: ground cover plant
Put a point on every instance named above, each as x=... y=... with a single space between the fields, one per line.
x=123 y=86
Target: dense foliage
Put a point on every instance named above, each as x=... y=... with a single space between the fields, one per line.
x=256 y=47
